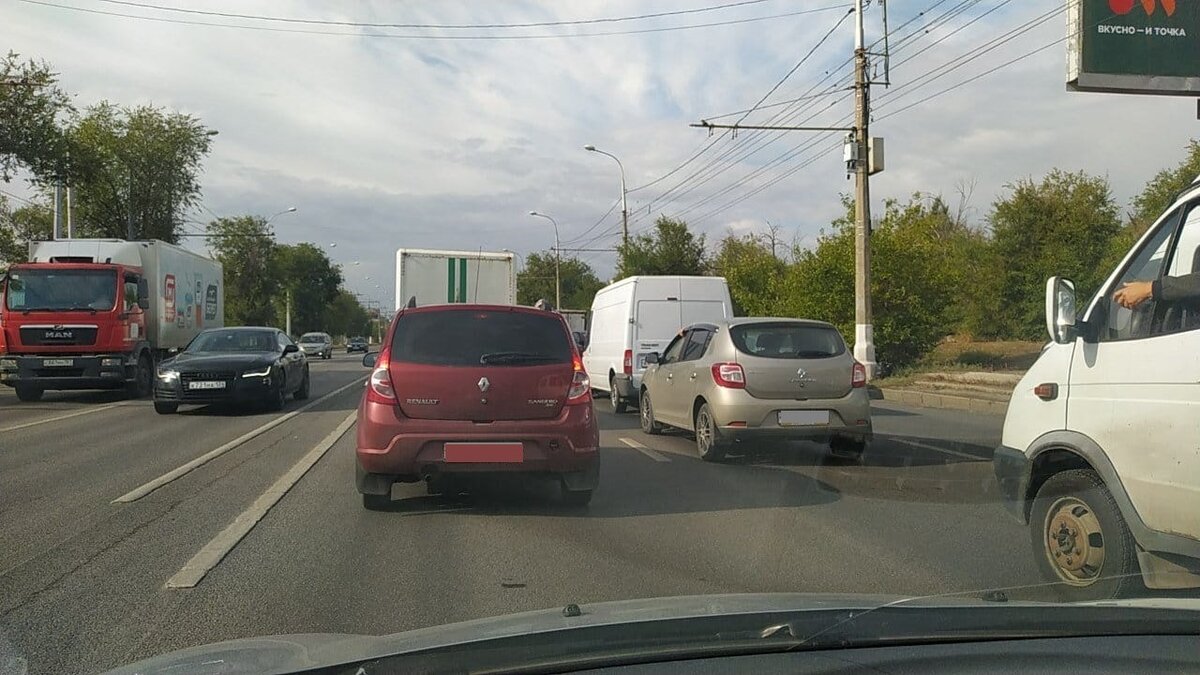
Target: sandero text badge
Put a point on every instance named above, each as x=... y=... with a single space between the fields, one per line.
x=1134 y=46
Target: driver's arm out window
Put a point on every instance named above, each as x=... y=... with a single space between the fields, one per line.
x=1124 y=324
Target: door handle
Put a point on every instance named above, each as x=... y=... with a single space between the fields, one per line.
x=693 y=376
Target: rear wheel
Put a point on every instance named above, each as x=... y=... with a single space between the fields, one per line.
x=847 y=448
x=29 y=393
x=708 y=440
x=618 y=402
x=649 y=426
x=143 y=379
x=302 y=392
x=376 y=502
x=1080 y=539
x=165 y=407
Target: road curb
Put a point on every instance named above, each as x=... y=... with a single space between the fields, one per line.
x=927 y=399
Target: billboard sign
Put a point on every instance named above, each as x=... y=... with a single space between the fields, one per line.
x=1134 y=46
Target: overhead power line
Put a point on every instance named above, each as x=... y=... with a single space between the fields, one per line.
x=412 y=36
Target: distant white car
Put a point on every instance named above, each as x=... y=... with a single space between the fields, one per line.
x=317 y=344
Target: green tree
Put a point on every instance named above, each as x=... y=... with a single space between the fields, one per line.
x=312 y=281
x=31 y=222
x=245 y=246
x=346 y=316
x=754 y=273
x=30 y=107
x=536 y=281
x=670 y=249
x=912 y=285
x=140 y=163
x=1064 y=225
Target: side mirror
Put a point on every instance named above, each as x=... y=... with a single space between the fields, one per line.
x=143 y=293
x=651 y=358
x=1060 y=309
x=369 y=359
x=173 y=350
x=290 y=349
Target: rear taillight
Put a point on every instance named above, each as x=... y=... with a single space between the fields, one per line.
x=379 y=386
x=627 y=364
x=729 y=375
x=859 y=377
x=581 y=385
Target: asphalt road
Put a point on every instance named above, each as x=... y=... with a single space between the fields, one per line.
x=87 y=584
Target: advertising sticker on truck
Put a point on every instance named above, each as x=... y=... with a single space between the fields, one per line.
x=210 y=303
x=169 y=297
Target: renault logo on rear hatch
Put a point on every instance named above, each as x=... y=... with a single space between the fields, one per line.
x=484 y=384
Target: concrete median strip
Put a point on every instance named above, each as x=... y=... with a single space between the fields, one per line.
x=178 y=472
x=59 y=418
x=220 y=546
x=644 y=450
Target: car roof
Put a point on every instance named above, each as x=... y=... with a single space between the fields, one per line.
x=469 y=307
x=240 y=328
x=750 y=320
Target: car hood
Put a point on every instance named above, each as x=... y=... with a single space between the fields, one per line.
x=213 y=361
x=289 y=653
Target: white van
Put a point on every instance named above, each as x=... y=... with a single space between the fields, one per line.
x=1101 y=446
x=639 y=315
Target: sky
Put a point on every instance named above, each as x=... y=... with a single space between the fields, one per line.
x=385 y=137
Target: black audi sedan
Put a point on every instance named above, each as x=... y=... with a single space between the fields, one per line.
x=246 y=365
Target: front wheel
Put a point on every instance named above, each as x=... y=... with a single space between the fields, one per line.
x=278 y=396
x=302 y=392
x=143 y=379
x=708 y=440
x=649 y=425
x=1080 y=539
x=165 y=407
x=615 y=400
x=29 y=394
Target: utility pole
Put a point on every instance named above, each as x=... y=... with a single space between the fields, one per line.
x=58 y=215
x=864 y=329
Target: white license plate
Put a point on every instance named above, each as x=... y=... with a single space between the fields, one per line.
x=803 y=418
x=206 y=384
x=58 y=363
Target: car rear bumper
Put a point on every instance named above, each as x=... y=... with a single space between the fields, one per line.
x=390 y=443
x=85 y=372
x=739 y=416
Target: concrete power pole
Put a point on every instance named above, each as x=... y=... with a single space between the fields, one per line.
x=864 y=329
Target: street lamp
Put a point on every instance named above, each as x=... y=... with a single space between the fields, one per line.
x=287 y=321
x=290 y=209
x=624 y=204
x=557 y=260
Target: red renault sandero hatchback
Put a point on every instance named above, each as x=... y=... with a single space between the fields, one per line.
x=476 y=389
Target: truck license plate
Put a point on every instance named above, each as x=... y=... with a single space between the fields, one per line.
x=207 y=384
x=803 y=418
x=58 y=363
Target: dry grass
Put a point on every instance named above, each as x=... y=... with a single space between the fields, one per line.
x=961 y=355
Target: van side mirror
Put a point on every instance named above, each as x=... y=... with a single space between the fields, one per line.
x=143 y=293
x=651 y=358
x=369 y=359
x=1060 y=309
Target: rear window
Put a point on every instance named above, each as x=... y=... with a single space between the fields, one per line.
x=313 y=337
x=474 y=337
x=787 y=341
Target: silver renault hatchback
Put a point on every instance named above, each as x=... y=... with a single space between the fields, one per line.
x=758 y=379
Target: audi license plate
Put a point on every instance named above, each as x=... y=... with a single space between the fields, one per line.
x=58 y=363
x=490 y=453
x=803 y=418
x=207 y=384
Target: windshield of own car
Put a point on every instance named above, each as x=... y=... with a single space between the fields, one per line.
x=234 y=341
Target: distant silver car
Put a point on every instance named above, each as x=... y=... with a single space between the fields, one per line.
x=758 y=379
x=317 y=344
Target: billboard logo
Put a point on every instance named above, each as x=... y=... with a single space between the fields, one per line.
x=1126 y=6
x=169 y=297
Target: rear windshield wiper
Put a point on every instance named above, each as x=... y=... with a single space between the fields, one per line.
x=517 y=357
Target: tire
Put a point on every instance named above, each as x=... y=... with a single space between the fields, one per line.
x=646 y=412
x=615 y=400
x=278 y=398
x=708 y=441
x=302 y=392
x=847 y=448
x=28 y=393
x=165 y=407
x=1100 y=566
x=377 y=502
x=143 y=379
x=576 y=498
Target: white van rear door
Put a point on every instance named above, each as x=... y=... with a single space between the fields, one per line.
x=658 y=322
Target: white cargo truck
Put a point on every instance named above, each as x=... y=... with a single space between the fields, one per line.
x=441 y=277
x=99 y=313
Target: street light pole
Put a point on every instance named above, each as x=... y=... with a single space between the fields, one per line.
x=287 y=320
x=624 y=203
x=557 y=260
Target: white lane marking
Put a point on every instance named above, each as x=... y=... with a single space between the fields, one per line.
x=77 y=413
x=215 y=550
x=948 y=451
x=644 y=450
x=174 y=474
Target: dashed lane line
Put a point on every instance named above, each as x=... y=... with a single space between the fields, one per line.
x=652 y=454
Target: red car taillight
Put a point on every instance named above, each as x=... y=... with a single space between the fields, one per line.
x=859 y=378
x=379 y=386
x=729 y=375
x=627 y=364
x=581 y=385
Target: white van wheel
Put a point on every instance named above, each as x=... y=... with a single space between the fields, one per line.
x=618 y=403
